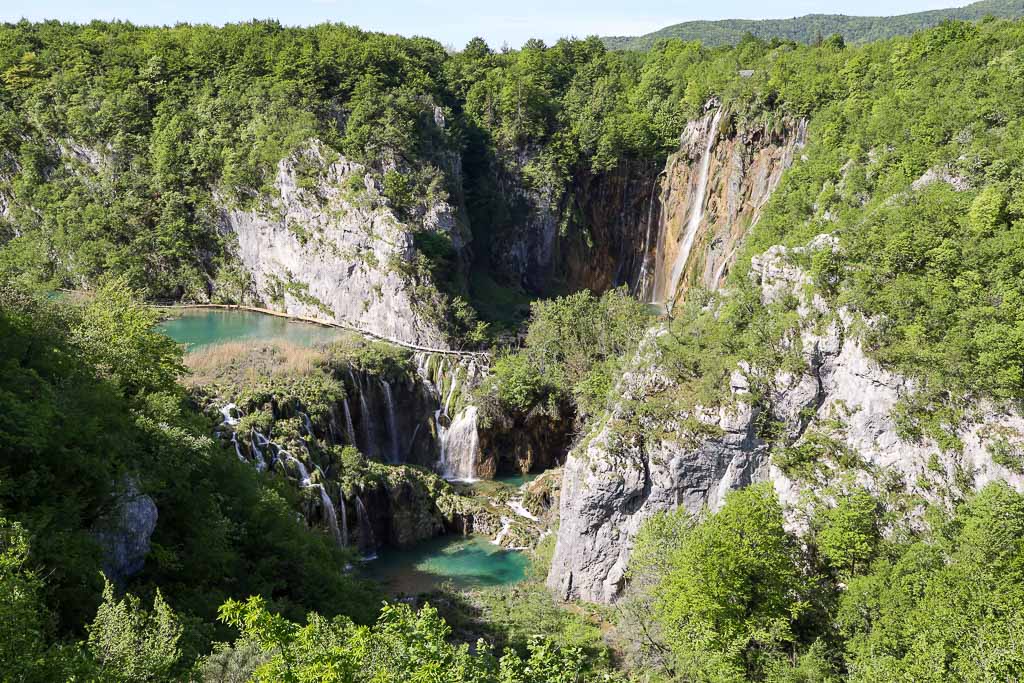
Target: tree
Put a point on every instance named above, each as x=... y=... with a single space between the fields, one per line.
x=846 y=533
x=132 y=644
x=732 y=590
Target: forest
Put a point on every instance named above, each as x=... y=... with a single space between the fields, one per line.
x=872 y=583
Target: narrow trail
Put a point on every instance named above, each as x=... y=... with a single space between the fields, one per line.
x=479 y=355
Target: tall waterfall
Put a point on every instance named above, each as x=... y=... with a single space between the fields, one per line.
x=696 y=211
x=350 y=431
x=641 y=286
x=368 y=542
x=364 y=417
x=344 y=519
x=460 y=447
x=390 y=418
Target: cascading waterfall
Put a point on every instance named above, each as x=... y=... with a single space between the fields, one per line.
x=364 y=416
x=350 y=431
x=307 y=424
x=331 y=515
x=696 y=211
x=299 y=465
x=365 y=530
x=344 y=519
x=390 y=418
x=238 y=449
x=460 y=446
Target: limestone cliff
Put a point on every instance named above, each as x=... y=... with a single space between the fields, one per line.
x=615 y=478
x=658 y=228
x=327 y=244
x=712 y=192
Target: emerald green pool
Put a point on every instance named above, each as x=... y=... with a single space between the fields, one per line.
x=204 y=326
x=465 y=562
x=516 y=480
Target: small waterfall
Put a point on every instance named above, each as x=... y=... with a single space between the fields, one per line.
x=696 y=211
x=460 y=445
x=238 y=449
x=365 y=530
x=307 y=424
x=331 y=515
x=258 y=443
x=299 y=465
x=344 y=519
x=390 y=418
x=226 y=412
x=350 y=431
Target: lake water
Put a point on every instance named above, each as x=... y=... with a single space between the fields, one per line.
x=204 y=326
x=466 y=562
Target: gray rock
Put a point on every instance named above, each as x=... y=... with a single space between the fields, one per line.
x=613 y=483
x=124 y=534
x=335 y=251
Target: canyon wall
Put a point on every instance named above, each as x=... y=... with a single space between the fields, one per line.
x=712 y=192
x=327 y=244
x=658 y=229
x=619 y=475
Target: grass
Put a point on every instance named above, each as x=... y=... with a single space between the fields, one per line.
x=244 y=362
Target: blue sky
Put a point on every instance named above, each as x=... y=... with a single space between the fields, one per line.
x=453 y=22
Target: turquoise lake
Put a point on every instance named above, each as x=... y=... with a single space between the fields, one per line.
x=466 y=562
x=205 y=326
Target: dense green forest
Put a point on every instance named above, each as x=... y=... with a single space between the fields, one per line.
x=877 y=585
x=816 y=27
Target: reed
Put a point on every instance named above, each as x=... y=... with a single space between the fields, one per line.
x=241 y=362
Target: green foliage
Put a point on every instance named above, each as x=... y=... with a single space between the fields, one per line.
x=948 y=606
x=575 y=347
x=404 y=645
x=847 y=533
x=812 y=27
x=734 y=596
x=731 y=593
x=133 y=644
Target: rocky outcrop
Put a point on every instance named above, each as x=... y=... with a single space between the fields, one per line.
x=618 y=477
x=124 y=534
x=328 y=245
x=712 y=192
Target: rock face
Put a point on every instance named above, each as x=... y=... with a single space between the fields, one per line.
x=713 y=191
x=612 y=483
x=124 y=535
x=628 y=225
x=328 y=245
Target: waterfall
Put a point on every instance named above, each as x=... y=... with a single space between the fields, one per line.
x=390 y=417
x=299 y=465
x=350 y=431
x=261 y=460
x=229 y=419
x=307 y=424
x=451 y=391
x=460 y=445
x=696 y=211
x=331 y=515
x=641 y=289
x=238 y=449
x=365 y=530
x=344 y=519
x=364 y=417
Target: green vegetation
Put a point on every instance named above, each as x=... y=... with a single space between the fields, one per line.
x=735 y=597
x=815 y=27
x=575 y=348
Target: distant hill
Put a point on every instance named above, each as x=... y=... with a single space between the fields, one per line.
x=808 y=28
